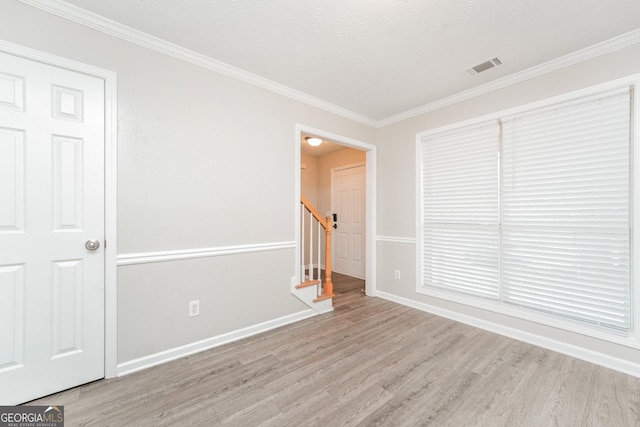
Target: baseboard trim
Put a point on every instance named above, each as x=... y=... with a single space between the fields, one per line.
x=538 y=340
x=181 y=254
x=206 y=344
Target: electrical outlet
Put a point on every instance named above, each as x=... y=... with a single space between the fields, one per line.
x=194 y=308
x=397 y=274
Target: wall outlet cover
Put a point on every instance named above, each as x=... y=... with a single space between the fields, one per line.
x=194 y=308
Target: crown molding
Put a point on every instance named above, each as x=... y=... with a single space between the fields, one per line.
x=607 y=46
x=97 y=22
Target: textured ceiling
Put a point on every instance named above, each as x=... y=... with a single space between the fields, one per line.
x=377 y=58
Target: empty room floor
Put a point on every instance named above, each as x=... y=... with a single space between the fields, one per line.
x=370 y=362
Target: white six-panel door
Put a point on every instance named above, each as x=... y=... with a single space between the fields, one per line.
x=51 y=204
x=349 y=200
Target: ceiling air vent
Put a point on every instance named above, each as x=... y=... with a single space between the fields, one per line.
x=484 y=66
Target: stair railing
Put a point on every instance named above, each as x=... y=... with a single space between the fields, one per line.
x=325 y=288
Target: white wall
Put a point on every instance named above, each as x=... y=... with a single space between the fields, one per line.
x=205 y=161
x=396 y=190
x=309 y=178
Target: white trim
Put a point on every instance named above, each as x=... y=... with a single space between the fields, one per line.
x=394 y=239
x=105 y=25
x=419 y=212
x=601 y=359
x=110 y=190
x=590 y=52
x=111 y=209
x=297 y=191
x=635 y=210
x=372 y=221
x=182 y=254
x=209 y=343
x=371 y=165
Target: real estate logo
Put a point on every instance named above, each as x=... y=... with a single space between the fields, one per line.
x=31 y=416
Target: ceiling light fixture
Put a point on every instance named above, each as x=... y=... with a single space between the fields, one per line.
x=314 y=142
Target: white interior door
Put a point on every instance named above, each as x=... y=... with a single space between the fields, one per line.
x=348 y=202
x=51 y=203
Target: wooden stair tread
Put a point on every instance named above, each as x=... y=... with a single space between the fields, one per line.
x=324 y=297
x=308 y=283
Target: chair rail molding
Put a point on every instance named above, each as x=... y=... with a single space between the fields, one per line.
x=394 y=239
x=182 y=254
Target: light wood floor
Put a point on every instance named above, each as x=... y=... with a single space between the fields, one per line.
x=370 y=362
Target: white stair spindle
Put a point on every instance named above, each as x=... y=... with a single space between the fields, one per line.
x=302 y=275
x=319 y=260
x=310 y=246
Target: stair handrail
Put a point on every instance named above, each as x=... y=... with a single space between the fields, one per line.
x=324 y=222
x=327 y=225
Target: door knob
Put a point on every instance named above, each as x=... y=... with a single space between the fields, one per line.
x=92 y=245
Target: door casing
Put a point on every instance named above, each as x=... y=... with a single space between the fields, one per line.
x=370 y=149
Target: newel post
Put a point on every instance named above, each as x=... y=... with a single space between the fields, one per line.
x=328 y=284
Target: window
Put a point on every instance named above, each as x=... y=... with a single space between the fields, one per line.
x=530 y=212
x=461 y=232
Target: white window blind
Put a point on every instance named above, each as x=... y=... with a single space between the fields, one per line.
x=533 y=211
x=565 y=210
x=460 y=210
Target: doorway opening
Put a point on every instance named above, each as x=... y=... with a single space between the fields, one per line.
x=338 y=177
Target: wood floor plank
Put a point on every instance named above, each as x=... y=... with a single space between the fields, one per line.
x=355 y=410
x=193 y=412
x=369 y=362
x=633 y=412
x=306 y=413
x=594 y=393
x=532 y=401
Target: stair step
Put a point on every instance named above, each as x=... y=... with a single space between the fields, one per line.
x=324 y=297
x=308 y=283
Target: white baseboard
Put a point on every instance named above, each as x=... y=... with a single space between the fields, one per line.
x=597 y=358
x=198 y=346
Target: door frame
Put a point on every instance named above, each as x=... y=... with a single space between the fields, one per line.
x=370 y=209
x=333 y=171
x=110 y=184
